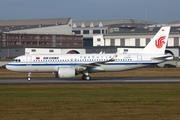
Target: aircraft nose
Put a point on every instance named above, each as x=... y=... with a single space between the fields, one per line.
x=8 y=67
x=11 y=67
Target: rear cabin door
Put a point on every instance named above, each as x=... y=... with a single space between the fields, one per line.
x=139 y=59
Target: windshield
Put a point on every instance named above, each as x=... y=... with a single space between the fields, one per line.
x=16 y=60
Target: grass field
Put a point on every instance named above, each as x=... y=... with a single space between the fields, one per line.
x=92 y=101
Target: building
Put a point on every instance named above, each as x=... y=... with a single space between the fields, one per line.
x=41 y=32
x=138 y=37
x=91 y=36
x=89 y=29
x=123 y=32
x=124 y=35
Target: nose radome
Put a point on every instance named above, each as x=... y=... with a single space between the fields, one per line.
x=7 y=66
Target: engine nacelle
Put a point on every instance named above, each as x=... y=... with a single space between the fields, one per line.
x=66 y=72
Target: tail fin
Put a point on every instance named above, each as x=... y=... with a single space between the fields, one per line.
x=157 y=45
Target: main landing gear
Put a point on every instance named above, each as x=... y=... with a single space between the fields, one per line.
x=29 y=76
x=86 y=76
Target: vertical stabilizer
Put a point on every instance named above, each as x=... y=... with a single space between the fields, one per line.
x=158 y=43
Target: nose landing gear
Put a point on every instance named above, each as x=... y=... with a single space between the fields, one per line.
x=29 y=76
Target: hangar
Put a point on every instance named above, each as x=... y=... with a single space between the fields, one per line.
x=39 y=32
x=89 y=29
x=124 y=35
x=24 y=36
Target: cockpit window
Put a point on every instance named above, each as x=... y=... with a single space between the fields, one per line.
x=17 y=60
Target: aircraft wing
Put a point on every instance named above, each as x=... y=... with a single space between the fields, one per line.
x=95 y=64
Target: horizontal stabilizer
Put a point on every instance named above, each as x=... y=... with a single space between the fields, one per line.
x=165 y=57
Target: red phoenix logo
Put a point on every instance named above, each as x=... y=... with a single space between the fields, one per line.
x=159 y=42
x=37 y=58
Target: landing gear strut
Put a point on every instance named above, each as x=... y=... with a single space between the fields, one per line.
x=29 y=76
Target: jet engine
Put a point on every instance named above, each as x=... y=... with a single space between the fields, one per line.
x=66 y=72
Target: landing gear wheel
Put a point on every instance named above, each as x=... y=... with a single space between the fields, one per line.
x=86 y=77
x=83 y=77
x=29 y=76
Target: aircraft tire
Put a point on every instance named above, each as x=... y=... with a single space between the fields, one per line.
x=83 y=77
x=86 y=77
x=28 y=78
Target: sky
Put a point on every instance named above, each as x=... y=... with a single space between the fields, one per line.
x=159 y=11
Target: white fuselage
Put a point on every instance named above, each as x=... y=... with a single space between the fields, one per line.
x=51 y=63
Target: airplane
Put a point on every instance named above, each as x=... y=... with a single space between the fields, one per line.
x=70 y=65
